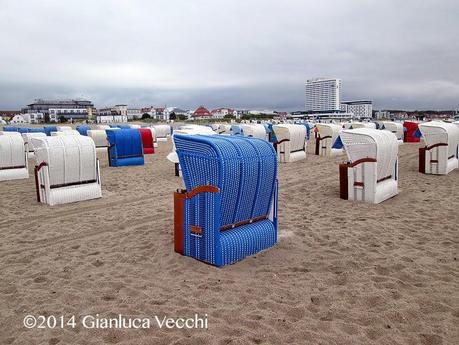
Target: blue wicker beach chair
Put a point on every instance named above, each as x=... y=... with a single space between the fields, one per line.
x=229 y=208
x=125 y=147
x=50 y=129
x=83 y=129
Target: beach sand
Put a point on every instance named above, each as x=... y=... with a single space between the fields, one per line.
x=342 y=273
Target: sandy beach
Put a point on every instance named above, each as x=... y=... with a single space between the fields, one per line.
x=341 y=273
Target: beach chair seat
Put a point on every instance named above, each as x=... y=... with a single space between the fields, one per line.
x=13 y=157
x=125 y=147
x=229 y=208
x=66 y=169
x=371 y=174
x=291 y=142
x=440 y=154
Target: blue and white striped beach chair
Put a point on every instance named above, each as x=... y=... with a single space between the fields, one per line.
x=229 y=208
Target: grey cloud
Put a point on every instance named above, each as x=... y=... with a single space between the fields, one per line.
x=251 y=54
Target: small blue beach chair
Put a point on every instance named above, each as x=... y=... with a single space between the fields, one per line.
x=125 y=147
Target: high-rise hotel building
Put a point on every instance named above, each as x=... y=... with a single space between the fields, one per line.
x=323 y=95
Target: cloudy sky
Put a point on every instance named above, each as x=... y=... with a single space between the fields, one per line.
x=245 y=54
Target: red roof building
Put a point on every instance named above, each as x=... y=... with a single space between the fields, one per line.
x=202 y=112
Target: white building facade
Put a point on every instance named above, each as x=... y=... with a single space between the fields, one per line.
x=323 y=95
x=360 y=109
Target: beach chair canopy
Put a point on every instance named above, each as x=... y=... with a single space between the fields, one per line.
x=410 y=128
x=162 y=131
x=436 y=132
x=63 y=128
x=329 y=130
x=382 y=146
x=254 y=130
x=28 y=139
x=196 y=129
x=10 y=129
x=224 y=129
x=236 y=130
x=242 y=173
x=188 y=130
x=147 y=140
x=125 y=147
x=65 y=132
x=394 y=127
x=49 y=129
x=99 y=136
x=83 y=129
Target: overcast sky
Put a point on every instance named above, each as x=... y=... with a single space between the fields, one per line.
x=244 y=54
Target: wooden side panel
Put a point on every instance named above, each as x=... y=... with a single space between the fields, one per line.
x=343 y=182
x=422 y=160
x=179 y=215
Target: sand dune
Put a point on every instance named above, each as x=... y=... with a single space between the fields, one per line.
x=342 y=272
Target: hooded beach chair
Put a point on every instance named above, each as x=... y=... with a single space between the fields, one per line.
x=410 y=130
x=125 y=147
x=162 y=132
x=99 y=136
x=28 y=141
x=147 y=141
x=328 y=133
x=66 y=169
x=63 y=128
x=224 y=129
x=255 y=130
x=371 y=174
x=13 y=157
x=10 y=129
x=229 y=208
x=49 y=129
x=440 y=154
x=394 y=127
x=65 y=132
x=291 y=142
x=83 y=129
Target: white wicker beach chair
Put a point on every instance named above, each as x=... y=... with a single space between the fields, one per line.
x=28 y=141
x=440 y=155
x=396 y=128
x=66 y=169
x=13 y=157
x=328 y=133
x=371 y=174
x=65 y=132
x=291 y=142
